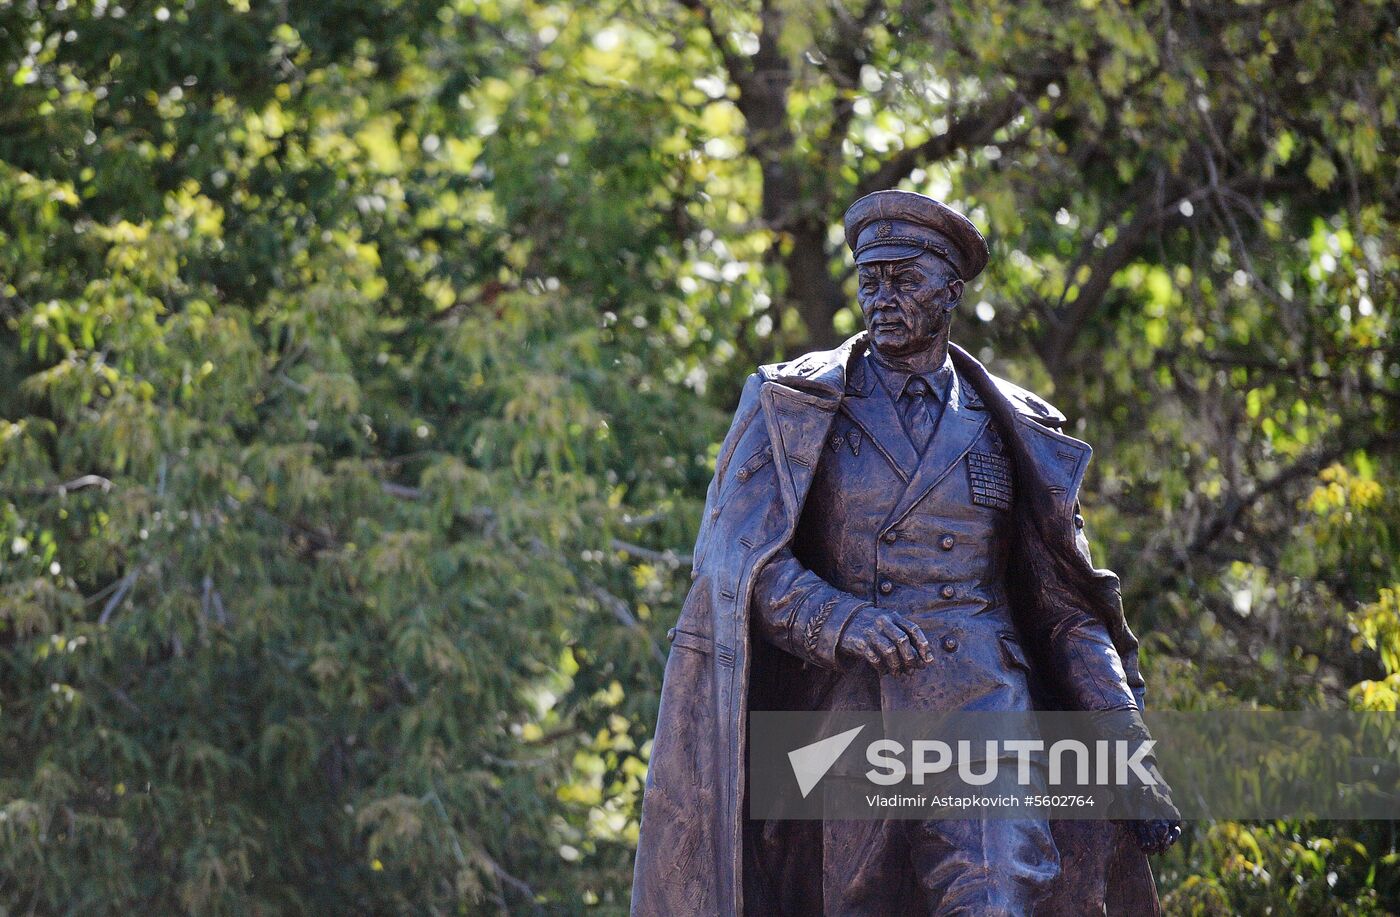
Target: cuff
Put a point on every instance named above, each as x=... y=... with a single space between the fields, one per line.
x=820 y=635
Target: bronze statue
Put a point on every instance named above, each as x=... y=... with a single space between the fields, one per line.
x=889 y=527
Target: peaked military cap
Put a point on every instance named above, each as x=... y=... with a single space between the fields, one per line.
x=895 y=225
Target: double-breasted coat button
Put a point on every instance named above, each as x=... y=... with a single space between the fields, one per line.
x=950 y=643
x=671 y=635
x=886 y=587
x=743 y=474
x=891 y=537
x=947 y=542
x=948 y=591
x=1078 y=521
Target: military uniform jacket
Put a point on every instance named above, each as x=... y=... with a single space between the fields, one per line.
x=726 y=659
x=920 y=531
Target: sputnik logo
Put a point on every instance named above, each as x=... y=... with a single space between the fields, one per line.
x=811 y=762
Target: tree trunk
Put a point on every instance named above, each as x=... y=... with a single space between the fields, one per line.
x=811 y=289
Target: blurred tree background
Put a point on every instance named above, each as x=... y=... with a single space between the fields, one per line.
x=362 y=366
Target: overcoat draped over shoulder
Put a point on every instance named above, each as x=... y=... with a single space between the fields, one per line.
x=690 y=856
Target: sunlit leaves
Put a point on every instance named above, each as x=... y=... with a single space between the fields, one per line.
x=361 y=366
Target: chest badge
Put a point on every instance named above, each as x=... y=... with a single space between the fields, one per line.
x=998 y=447
x=850 y=438
x=989 y=477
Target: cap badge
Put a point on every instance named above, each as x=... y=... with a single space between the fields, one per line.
x=884 y=230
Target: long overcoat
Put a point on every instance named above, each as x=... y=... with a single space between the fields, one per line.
x=691 y=852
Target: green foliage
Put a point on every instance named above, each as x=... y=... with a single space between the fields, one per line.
x=362 y=363
x=1276 y=868
x=322 y=430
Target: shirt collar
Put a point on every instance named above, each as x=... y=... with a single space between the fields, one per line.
x=895 y=380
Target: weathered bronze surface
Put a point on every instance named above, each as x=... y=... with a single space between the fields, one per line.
x=889 y=527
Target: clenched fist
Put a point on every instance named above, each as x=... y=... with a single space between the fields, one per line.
x=887 y=640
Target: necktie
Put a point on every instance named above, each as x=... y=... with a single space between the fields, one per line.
x=914 y=405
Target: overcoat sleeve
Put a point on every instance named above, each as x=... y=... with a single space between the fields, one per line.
x=1080 y=648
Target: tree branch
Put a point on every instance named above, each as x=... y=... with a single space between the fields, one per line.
x=67 y=487
x=1066 y=321
x=971 y=129
x=668 y=557
x=624 y=615
x=1228 y=515
x=736 y=66
x=402 y=491
x=1338 y=654
x=1151 y=209
x=126 y=583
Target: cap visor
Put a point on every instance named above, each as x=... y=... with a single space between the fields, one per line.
x=892 y=252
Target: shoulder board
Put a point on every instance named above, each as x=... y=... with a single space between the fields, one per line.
x=1030 y=404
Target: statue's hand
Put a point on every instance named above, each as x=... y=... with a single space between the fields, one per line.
x=887 y=640
x=1156 y=835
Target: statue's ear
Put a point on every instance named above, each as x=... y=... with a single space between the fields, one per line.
x=955 y=292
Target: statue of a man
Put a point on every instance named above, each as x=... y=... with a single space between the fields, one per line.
x=889 y=527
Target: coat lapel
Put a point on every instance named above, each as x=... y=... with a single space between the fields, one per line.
x=962 y=422
x=798 y=423
x=870 y=407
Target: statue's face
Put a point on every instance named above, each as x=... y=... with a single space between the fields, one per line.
x=907 y=304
